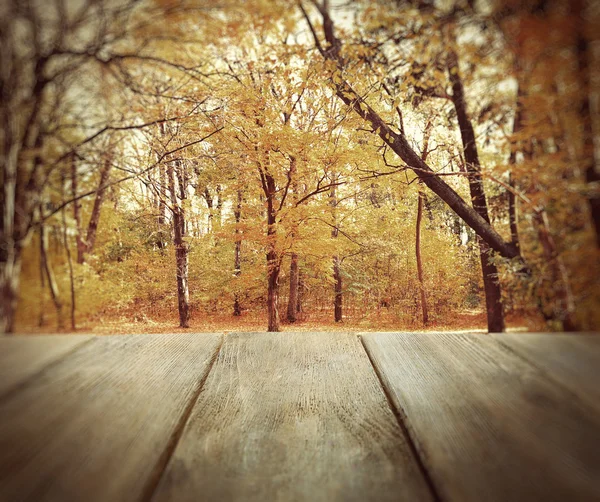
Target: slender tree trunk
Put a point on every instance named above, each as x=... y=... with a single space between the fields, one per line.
x=420 y=204
x=54 y=293
x=237 y=308
x=419 y=262
x=90 y=239
x=292 y=307
x=564 y=306
x=273 y=291
x=337 y=273
x=301 y=287
x=493 y=295
x=19 y=201
x=293 y=296
x=9 y=286
x=513 y=209
x=219 y=207
x=209 y=204
x=69 y=261
x=273 y=259
x=42 y=318
x=181 y=248
x=513 y=214
x=81 y=246
x=162 y=205
x=338 y=289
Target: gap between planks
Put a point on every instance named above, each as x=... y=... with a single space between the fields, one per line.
x=400 y=418
x=255 y=431
x=163 y=461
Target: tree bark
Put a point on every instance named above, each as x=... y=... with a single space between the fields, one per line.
x=513 y=213
x=419 y=263
x=54 y=292
x=337 y=272
x=563 y=307
x=219 y=207
x=42 y=317
x=209 y=203
x=493 y=295
x=301 y=287
x=86 y=246
x=513 y=209
x=90 y=239
x=181 y=247
x=420 y=205
x=69 y=260
x=273 y=259
x=237 y=308
x=162 y=205
x=81 y=247
x=292 y=307
x=294 y=272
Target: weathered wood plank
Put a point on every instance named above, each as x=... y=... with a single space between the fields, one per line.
x=572 y=359
x=98 y=425
x=24 y=356
x=292 y=416
x=488 y=425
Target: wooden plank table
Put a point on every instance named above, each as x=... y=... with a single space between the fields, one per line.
x=570 y=360
x=300 y=416
x=23 y=357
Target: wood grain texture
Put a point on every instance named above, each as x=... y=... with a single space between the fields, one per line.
x=21 y=357
x=292 y=416
x=488 y=425
x=572 y=359
x=96 y=426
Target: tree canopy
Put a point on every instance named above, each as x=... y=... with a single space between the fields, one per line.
x=388 y=163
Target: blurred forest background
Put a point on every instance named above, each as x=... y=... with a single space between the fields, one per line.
x=388 y=164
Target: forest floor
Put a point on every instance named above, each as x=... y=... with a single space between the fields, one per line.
x=467 y=320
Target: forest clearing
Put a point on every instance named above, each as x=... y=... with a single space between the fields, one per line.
x=366 y=165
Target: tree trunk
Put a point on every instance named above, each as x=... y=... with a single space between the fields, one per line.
x=493 y=295
x=54 y=293
x=162 y=205
x=293 y=296
x=419 y=262
x=81 y=246
x=92 y=230
x=273 y=259
x=292 y=307
x=337 y=273
x=420 y=204
x=338 y=290
x=42 y=317
x=300 y=292
x=69 y=261
x=273 y=291
x=237 y=308
x=513 y=214
x=563 y=310
x=181 y=248
x=219 y=207
x=209 y=203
